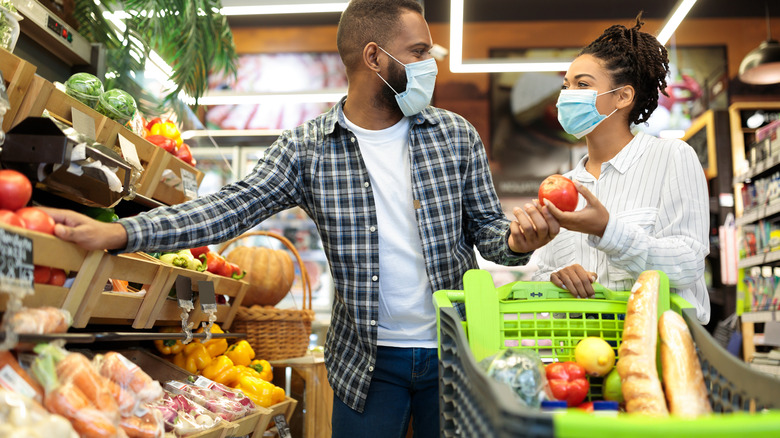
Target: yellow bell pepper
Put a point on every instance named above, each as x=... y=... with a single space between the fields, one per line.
x=169 y=346
x=264 y=368
x=263 y=393
x=193 y=358
x=215 y=347
x=221 y=370
x=241 y=353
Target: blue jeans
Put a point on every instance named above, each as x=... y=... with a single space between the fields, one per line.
x=405 y=383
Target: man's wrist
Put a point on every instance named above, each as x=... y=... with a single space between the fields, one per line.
x=117 y=237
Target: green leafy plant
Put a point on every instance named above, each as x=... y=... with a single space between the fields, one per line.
x=191 y=36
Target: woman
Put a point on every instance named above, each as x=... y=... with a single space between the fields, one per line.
x=644 y=203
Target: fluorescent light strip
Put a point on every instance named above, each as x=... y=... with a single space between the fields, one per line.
x=681 y=10
x=457 y=65
x=187 y=135
x=325 y=96
x=301 y=8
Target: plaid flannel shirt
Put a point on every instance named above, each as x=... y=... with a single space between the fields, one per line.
x=318 y=167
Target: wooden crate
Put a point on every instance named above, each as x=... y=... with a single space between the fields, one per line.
x=43 y=95
x=54 y=252
x=167 y=310
x=18 y=74
x=122 y=308
x=158 y=190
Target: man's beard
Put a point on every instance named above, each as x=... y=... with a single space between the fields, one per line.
x=397 y=79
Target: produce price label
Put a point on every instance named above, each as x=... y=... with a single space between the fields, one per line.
x=281 y=426
x=190 y=184
x=130 y=152
x=16 y=266
x=83 y=123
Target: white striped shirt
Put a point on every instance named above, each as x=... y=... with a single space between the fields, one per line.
x=656 y=194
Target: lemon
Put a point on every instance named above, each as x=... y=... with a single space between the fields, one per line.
x=595 y=355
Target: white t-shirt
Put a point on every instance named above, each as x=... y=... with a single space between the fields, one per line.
x=656 y=194
x=407 y=317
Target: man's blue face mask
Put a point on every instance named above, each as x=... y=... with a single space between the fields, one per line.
x=420 y=82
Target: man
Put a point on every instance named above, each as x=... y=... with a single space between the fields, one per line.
x=400 y=192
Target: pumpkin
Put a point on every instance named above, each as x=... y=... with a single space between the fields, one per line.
x=269 y=272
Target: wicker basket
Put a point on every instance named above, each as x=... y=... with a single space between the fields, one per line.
x=276 y=334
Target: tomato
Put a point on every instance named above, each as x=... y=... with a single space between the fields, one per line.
x=11 y=218
x=57 y=277
x=567 y=382
x=36 y=219
x=185 y=154
x=559 y=190
x=15 y=190
x=587 y=407
x=42 y=274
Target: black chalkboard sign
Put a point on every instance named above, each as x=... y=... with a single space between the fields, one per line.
x=16 y=263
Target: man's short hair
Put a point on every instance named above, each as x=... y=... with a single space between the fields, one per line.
x=365 y=21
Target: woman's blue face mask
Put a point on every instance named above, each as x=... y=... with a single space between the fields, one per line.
x=577 y=111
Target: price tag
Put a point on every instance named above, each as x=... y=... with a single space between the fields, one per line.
x=207 y=294
x=83 y=123
x=16 y=266
x=130 y=153
x=183 y=289
x=190 y=184
x=281 y=426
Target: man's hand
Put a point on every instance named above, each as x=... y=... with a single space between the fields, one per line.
x=532 y=228
x=592 y=219
x=576 y=280
x=87 y=232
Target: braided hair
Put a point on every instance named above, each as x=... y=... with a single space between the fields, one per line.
x=634 y=58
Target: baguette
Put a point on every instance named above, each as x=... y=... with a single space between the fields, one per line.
x=683 y=379
x=637 y=354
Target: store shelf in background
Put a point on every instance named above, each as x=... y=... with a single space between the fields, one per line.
x=761 y=316
x=758 y=213
x=758 y=169
x=17 y=75
x=54 y=252
x=760 y=259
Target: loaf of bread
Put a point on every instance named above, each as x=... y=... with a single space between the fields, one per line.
x=684 y=385
x=637 y=353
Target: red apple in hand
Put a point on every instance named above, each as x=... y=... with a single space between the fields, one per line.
x=560 y=191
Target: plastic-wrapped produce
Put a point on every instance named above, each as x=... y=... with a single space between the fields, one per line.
x=21 y=417
x=522 y=370
x=129 y=376
x=117 y=104
x=229 y=409
x=182 y=416
x=85 y=87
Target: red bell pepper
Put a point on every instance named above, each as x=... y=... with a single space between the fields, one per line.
x=587 y=407
x=235 y=272
x=567 y=382
x=164 y=142
x=196 y=252
x=185 y=154
x=214 y=262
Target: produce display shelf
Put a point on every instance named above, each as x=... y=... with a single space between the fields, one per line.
x=473 y=404
x=17 y=75
x=51 y=251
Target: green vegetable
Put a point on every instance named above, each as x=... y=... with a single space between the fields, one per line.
x=85 y=87
x=101 y=214
x=117 y=105
x=174 y=259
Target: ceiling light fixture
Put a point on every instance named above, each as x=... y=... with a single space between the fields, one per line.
x=233 y=98
x=762 y=65
x=458 y=65
x=681 y=9
x=283 y=8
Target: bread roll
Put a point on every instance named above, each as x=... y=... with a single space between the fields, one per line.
x=683 y=378
x=637 y=359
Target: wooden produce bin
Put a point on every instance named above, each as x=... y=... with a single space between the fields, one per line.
x=123 y=308
x=166 y=310
x=54 y=252
x=43 y=95
x=156 y=189
x=17 y=74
